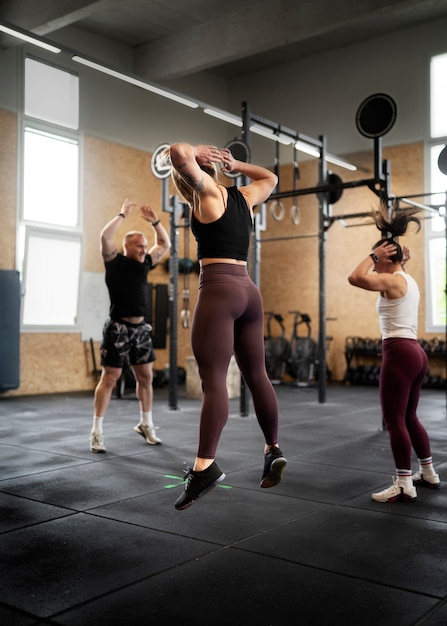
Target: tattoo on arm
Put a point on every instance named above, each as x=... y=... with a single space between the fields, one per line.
x=158 y=254
x=195 y=183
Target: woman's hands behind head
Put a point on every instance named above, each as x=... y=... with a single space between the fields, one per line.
x=228 y=161
x=207 y=155
x=385 y=251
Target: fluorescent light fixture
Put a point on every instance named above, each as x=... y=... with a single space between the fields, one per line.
x=304 y=147
x=258 y=129
x=263 y=131
x=285 y=139
x=171 y=95
x=223 y=115
x=14 y=32
x=299 y=145
x=270 y=134
x=335 y=160
x=330 y=158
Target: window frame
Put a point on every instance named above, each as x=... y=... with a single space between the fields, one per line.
x=42 y=127
x=56 y=231
x=55 y=235
x=430 y=234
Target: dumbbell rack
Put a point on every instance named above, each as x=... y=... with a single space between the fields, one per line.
x=362 y=366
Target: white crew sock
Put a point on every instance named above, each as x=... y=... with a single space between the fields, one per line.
x=426 y=466
x=404 y=478
x=97 y=425
x=146 y=418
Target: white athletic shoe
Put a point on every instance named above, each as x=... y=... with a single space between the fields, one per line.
x=148 y=433
x=396 y=493
x=97 y=443
x=422 y=480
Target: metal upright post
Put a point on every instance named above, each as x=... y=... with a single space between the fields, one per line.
x=244 y=398
x=175 y=206
x=322 y=240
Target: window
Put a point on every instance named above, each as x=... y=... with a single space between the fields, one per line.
x=52 y=260
x=436 y=318
x=49 y=233
x=50 y=191
x=51 y=94
x=438 y=96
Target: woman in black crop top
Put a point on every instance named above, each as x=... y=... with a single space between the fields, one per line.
x=229 y=316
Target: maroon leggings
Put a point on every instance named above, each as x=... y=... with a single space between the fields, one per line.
x=404 y=364
x=229 y=318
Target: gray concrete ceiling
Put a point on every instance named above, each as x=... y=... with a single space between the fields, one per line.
x=177 y=38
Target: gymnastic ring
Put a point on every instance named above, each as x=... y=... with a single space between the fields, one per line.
x=295 y=214
x=185 y=317
x=278 y=216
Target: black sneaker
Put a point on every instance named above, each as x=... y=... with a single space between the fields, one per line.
x=274 y=466
x=198 y=484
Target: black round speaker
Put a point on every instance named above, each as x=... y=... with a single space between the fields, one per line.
x=442 y=160
x=376 y=115
x=334 y=195
x=240 y=151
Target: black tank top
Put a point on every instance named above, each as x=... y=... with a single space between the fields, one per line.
x=229 y=236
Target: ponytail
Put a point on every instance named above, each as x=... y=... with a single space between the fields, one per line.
x=395 y=223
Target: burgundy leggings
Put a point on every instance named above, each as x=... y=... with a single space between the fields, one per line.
x=229 y=318
x=404 y=364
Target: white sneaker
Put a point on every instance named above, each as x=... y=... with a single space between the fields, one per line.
x=97 y=442
x=426 y=480
x=148 y=433
x=396 y=493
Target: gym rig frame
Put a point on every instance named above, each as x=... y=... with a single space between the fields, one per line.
x=375 y=117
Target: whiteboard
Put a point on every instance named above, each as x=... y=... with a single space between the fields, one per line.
x=94 y=305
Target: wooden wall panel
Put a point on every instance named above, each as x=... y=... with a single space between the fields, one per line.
x=290 y=268
x=112 y=173
x=58 y=363
x=8 y=186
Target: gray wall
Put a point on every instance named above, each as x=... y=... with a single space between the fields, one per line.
x=319 y=95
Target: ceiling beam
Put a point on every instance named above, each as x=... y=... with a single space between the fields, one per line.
x=284 y=29
x=266 y=27
x=46 y=16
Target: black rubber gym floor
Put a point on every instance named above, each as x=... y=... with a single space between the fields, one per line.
x=94 y=539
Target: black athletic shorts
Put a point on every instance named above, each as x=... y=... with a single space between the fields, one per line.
x=123 y=342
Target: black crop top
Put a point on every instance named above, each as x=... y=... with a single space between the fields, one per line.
x=229 y=236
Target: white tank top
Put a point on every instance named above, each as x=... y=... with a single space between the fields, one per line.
x=399 y=317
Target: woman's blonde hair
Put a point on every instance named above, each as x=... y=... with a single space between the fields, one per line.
x=181 y=186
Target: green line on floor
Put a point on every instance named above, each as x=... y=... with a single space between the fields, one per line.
x=180 y=479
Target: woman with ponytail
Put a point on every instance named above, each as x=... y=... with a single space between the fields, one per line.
x=404 y=362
